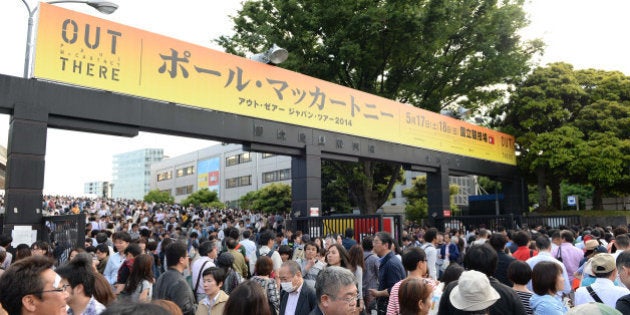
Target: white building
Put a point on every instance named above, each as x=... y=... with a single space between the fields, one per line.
x=98 y=188
x=232 y=172
x=224 y=168
x=131 y=172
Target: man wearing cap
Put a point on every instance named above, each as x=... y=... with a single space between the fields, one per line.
x=592 y=248
x=473 y=292
x=603 y=290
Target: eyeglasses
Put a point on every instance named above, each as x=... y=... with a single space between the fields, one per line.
x=353 y=300
x=60 y=289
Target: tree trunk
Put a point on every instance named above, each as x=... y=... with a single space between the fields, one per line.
x=542 y=189
x=367 y=197
x=556 y=197
x=598 y=201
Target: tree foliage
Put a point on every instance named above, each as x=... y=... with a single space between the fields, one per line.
x=335 y=195
x=571 y=125
x=417 y=207
x=205 y=198
x=430 y=54
x=158 y=196
x=269 y=199
x=369 y=183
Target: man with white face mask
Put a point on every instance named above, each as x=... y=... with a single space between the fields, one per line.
x=295 y=298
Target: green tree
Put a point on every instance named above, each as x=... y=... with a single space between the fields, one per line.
x=369 y=183
x=604 y=157
x=205 y=198
x=269 y=199
x=430 y=54
x=158 y=196
x=488 y=186
x=537 y=115
x=571 y=126
x=417 y=207
x=583 y=192
x=246 y=201
x=335 y=193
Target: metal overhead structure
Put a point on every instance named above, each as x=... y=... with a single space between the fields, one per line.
x=98 y=76
x=36 y=105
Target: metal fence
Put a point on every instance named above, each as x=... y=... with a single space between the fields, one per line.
x=66 y=230
x=362 y=225
x=62 y=232
x=510 y=221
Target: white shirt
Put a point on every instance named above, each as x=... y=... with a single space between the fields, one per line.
x=605 y=289
x=275 y=257
x=111 y=269
x=250 y=251
x=431 y=253
x=196 y=271
x=292 y=301
x=546 y=256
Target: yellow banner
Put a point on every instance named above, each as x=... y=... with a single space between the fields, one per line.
x=84 y=50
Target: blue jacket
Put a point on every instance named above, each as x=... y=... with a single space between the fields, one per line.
x=547 y=305
x=453 y=252
x=390 y=271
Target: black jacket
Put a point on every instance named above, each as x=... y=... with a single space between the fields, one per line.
x=503 y=263
x=316 y=311
x=172 y=286
x=623 y=304
x=509 y=303
x=307 y=301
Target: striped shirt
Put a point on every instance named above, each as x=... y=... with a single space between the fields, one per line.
x=524 y=296
x=393 y=306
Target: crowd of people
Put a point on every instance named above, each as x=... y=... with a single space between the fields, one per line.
x=141 y=258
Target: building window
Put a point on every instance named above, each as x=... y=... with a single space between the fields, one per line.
x=267 y=155
x=189 y=170
x=238 y=159
x=275 y=176
x=246 y=157
x=184 y=190
x=164 y=176
x=238 y=181
x=231 y=160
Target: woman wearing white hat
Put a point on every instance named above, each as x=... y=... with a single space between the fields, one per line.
x=473 y=293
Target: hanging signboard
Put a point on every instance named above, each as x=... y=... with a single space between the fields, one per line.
x=80 y=49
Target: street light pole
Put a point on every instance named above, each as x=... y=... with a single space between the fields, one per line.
x=102 y=6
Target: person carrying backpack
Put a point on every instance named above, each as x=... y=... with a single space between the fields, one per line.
x=266 y=242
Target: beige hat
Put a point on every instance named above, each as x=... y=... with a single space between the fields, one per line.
x=603 y=263
x=591 y=244
x=473 y=292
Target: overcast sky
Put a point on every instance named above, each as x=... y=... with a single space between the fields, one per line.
x=585 y=33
